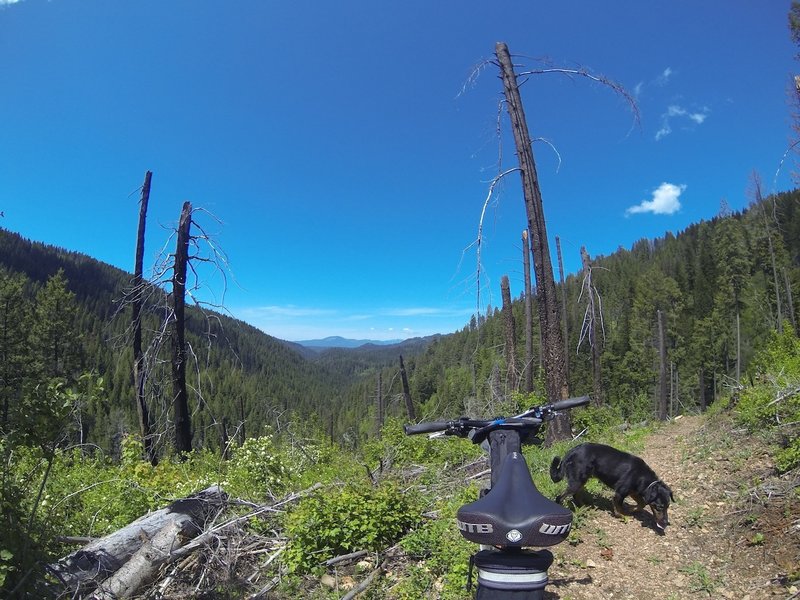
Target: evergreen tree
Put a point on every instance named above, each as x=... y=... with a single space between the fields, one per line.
x=15 y=356
x=54 y=340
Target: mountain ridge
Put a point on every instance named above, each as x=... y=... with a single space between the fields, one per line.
x=337 y=341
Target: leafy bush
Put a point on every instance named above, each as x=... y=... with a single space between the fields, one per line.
x=353 y=518
x=400 y=449
x=773 y=400
x=440 y=552
x=258 y=470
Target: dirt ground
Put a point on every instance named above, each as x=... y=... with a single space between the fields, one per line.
x=734 y=528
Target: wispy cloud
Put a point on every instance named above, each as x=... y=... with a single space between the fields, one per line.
x=7 y=2
x=665 y=201
x=291 y=322
x=427 y=312
x=676 y=112
x=289 y=311
x=664 y=77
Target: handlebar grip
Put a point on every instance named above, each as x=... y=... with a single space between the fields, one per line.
x=429 y=427
x=570 y=403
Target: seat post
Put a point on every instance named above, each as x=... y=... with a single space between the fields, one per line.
x=502 y=442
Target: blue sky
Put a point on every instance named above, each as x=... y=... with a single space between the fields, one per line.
x=342 y=151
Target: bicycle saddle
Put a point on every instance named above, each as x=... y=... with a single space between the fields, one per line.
x=514 y=513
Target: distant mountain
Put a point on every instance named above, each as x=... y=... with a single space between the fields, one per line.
x=336 y=341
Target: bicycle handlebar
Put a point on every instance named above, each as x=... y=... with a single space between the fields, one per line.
x=570 y=403
x=531 y=418
x=429 y=427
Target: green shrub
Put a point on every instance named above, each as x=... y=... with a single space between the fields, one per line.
x=404 y=450
x=331 y=523
x=258 y=470
x=771 y=401
x=440 y=552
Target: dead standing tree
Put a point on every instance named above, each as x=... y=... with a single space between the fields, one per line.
x=412 y=416
x=180 y=397
x=139 y=369
x=549 y=318
x=593 y=313
x=563 y=306
x=552 y=340
x=512 y=378
x=526 y=265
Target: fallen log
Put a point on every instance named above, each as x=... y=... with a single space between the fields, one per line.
x=148 y=537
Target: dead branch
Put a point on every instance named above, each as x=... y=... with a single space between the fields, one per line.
x=336 y=560
x=361 y=587
x=584 y=72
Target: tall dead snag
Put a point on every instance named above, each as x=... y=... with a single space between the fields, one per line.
x=549 y=318
x=526 y=266
x=379 y=418
x=512 y=379
x=139 y=374
x=662 y=370
x=789 y=301
x=589 y=328
x=412 y=416
x=563 y=307
x=183 y=425
x=760 y=202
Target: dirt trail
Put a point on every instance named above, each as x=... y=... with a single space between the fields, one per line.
x=723 y=542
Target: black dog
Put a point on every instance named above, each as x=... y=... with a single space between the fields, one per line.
x=626 y=474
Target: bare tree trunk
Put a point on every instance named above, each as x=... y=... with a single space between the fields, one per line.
x=672 y=384
x=139 y=374
x=662 y=370
x=759 y=200
x=591 y=315
x=789 y=300
x=512 y=379
x=526 y=267
x=412 y=416
x=701 y=380
x=380 y=416
x=183 y=425
x=549 y=318
x=85 y=568
x=242 y=432
x=563 y=307
x=738 y=347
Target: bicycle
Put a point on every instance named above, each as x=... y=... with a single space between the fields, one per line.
x=511 y=517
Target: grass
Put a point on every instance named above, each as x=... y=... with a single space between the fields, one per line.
x=701 y=579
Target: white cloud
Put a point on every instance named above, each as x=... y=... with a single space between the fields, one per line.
x=426 y=312
x=7 y=2
x=675 y=111
x=664 y=77
x=666 y=201
x=288 y=311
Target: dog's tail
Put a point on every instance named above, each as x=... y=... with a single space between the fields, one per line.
x=555 y=470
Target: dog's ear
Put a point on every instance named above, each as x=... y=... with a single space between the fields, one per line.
x=671 y=497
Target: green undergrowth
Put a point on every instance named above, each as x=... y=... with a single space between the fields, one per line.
x=399 y=492
x=770 y=405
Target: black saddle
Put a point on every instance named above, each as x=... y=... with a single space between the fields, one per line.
x=514 y=513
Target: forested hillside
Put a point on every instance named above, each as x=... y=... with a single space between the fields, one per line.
x=243 y=379
x=722 y=287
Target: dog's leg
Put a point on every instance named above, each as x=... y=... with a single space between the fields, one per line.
x=572 y=488
x=618 y=503
x=640 y=503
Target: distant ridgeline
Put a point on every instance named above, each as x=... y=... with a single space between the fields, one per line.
x=737 y=268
